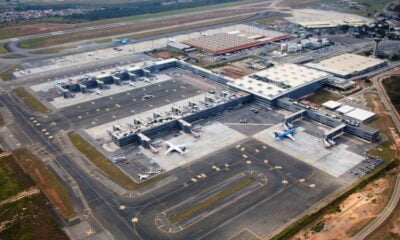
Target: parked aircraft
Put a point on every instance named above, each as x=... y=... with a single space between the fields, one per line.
x=118 y=159
x=181 y=149
x=121 y=40
x=98 y=92
x=132 y=84
x=288 y=133
x=143 y=176
x=147 y=96
x=151 y=171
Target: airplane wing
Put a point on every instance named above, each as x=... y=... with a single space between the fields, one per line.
x=170 y=149
x=291 y=137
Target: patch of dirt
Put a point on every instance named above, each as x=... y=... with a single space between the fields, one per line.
x=236 y=70
x=162 y=54
x=26 y=193
x=27 y=29
x=356 y=211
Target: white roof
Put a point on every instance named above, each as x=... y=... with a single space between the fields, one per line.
x=360 y=114
x=332 y=104
x=345 y=109
x=279 y=80
x=346 y=64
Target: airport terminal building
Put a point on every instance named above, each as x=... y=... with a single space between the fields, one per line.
x=284 y=80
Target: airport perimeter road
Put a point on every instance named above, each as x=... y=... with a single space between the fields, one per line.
x=386 y=100
x=394 y=200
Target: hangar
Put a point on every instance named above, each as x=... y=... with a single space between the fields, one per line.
x=241 y=38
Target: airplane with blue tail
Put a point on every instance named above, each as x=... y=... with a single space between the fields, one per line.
x=287 y=133
x=121 y=40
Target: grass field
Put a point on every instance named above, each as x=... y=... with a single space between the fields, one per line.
x=3 y=48
x=27 y=218
x=392 y=87
x=106 y=166
x=6 y=75
x=30 y=100
x=383 y=123
x=181 y=216
x=12 y=179
x=321 y=96
x=46 y=180
x=54 y=50
x=30 y=218
x=1 y=120
x=129 y=30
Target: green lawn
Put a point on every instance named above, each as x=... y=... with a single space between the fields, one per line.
x=106 y=166
x=98 y=159
x=30 y=219
x=54 y=50
x=12 y=179
x=3 y=48
x=30 y=100
x=6 y=75
x=47 y=181
x=392 y=86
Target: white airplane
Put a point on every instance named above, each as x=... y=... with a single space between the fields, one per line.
x=147 y=96
x=98 y=92
x=132 y=84
x=181 y=149
x=143 y=176
x=151 y=171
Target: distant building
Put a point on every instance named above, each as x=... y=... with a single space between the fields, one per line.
x=348 y=65
x=284 y=80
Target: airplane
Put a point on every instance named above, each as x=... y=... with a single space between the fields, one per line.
x=143 y=176
x=98 y=92
x=151 y=171
x=288 y=132
x=118 y=159
x=121 y=40
x=147 y=96
x=181 y=149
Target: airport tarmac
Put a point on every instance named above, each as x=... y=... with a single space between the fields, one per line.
x=310 y=149
x=213 y=137
x=292 y=187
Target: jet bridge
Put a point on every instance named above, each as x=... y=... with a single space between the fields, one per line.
x=186 y=127
x=336 y=132
x=144 y=140
x=289 y=120
x=330 y=136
